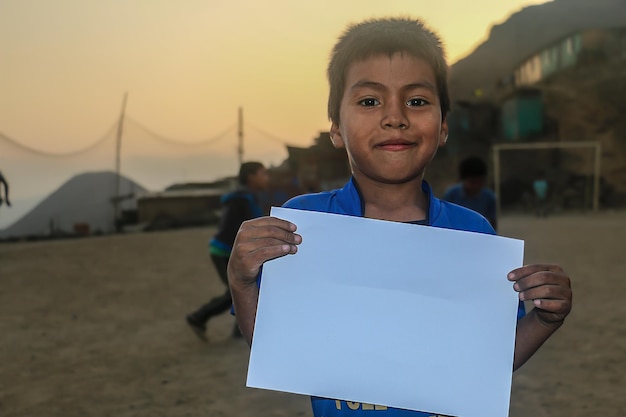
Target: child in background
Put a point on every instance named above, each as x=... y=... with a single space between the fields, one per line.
x=471 y=191
x=238 y=206
x=540 y=188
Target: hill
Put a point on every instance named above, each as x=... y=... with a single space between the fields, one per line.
x=524 y=33
x=85 y=198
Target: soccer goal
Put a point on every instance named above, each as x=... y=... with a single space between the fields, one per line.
x=596 y=146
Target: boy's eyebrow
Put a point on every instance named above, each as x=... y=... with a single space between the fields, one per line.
x=425 y=84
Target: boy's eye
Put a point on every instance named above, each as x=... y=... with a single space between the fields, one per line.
x=416 y=102
x=369 y=102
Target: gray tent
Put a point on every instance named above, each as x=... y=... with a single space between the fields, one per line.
x=86 y=198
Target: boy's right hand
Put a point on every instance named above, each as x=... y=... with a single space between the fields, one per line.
x=260 y=240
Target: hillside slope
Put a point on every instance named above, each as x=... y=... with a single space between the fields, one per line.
x=524 y=33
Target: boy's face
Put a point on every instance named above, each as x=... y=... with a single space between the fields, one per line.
x=390 y=118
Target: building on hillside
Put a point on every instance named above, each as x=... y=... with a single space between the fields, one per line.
x=472 y=126
x=319 y=167
x=522 y=115
x=572 y=90
x=579 y=48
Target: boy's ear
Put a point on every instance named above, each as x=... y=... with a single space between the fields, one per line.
x=335 y=136
x=443 y=133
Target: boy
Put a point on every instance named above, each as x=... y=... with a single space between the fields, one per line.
x=471 y=192
x=387 y=105
x=239 y=206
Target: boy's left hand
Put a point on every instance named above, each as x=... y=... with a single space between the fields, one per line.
x=548 y=287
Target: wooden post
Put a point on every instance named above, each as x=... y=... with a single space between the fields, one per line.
x=496 y=178
x=118 y=164
x=596 y=178
x=240 y=137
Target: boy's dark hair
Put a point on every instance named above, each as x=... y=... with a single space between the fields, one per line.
x=472 y=167
x=385 y=36
x=247 y=169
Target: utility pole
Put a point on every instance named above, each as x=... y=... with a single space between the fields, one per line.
x=240 y=137
x=118 y=162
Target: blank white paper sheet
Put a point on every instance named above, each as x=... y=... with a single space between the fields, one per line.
x=388 y=313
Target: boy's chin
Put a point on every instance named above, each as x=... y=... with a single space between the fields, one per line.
x=395 y=179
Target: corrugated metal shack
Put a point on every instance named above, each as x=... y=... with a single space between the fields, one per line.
x=179 y=208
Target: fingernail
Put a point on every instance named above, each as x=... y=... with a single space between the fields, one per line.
x=511 y=276
x=516 y=286
x=537 y=302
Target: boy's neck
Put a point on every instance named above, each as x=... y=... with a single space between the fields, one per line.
x=405 y=202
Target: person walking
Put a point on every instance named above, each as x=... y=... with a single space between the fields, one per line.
x=238 y=206
x=4 y=183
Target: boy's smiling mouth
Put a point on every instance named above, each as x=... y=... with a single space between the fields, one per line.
x=395 y=145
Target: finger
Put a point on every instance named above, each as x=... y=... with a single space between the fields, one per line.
x=526 y=270
x=552 y=306
x=268 y=221
x=254 y=254
x=541 y=278
x=266 y=236
x=551 y=292
x=247 y=265
x=253 y=245
x=267 y=253
x=250 y=232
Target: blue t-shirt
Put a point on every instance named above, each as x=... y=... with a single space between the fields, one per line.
x=484 y=202
x=238 y=206
x=348 y=201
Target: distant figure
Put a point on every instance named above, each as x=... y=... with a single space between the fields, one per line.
x=541 y=188
x=471 y=191
x=4 y=182
x=239 y=206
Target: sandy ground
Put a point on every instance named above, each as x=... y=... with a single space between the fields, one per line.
x=94 y=327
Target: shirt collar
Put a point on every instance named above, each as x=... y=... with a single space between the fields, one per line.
x=350 y=201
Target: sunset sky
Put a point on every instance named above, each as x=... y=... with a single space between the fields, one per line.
x=188 y=65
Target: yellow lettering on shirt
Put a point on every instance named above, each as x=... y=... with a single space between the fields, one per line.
x=362 y=406
x=353 y=406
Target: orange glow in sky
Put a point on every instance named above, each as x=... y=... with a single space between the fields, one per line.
x=187 y=67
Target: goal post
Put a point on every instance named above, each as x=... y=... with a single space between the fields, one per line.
x=498 y=148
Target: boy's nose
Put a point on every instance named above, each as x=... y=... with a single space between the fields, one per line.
x=395 y=117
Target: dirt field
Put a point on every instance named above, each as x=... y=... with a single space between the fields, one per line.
x=94 y=327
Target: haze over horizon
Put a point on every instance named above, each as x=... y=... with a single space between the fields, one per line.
x=187 y=67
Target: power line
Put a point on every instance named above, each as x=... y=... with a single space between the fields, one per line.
x=269 y=136
x=177 y=142
x=59 y=155
x=150 y=132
